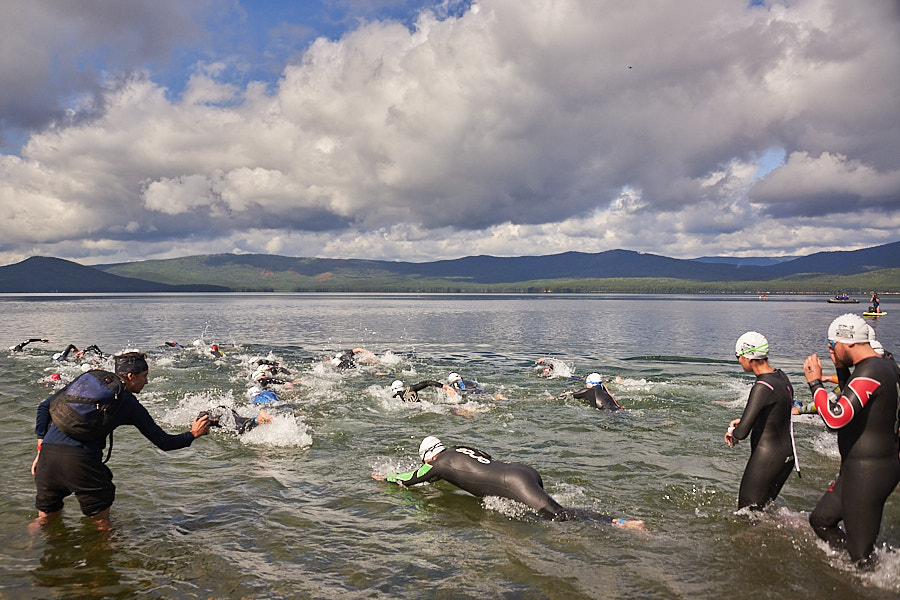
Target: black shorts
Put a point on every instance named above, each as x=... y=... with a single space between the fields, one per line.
x=64 y=470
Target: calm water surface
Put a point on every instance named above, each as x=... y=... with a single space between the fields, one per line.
x=290 y=511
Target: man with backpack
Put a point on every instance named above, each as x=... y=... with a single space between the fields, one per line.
x=72 y=426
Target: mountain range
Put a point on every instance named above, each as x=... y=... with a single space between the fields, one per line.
x=614 y=270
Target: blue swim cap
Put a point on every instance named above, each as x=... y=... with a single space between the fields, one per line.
x=265 y=397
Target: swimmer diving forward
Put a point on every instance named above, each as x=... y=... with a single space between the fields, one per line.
x=481 y=475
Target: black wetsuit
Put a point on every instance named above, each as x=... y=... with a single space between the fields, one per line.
x=411 y=392
x=347 y=360
x=66 y=466
x=480 y=475
x=19 y=347
x=92 y=348
x=599 y=397
x=767 y=419
x=866 y=419
x=241 y=424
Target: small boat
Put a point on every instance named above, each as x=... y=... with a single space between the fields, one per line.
x=843 y=299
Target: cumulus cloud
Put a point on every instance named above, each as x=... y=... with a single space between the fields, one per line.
x=513 y=127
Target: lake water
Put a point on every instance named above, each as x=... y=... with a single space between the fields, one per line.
x=289 y=510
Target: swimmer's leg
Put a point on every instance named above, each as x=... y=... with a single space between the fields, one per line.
x=865 y=490
x=827 y=514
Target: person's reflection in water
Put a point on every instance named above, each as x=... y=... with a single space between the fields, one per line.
x=78 y=562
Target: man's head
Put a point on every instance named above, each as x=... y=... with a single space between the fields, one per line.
x=397 y=387
x=592 y=380
x=453 y=378
x=429 y=448
x=132 y=368
x=848 y=340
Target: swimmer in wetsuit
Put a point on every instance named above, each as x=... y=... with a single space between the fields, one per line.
x=469 y=386
x=79 y=354
x=19 y=347
x=595 y=393
x=866 y=420
x=767 y=420
x=410 y=393
x=241 y=424
x=481 y=475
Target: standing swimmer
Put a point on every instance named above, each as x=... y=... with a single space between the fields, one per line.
x=865 y=417
x=477 y=473
x=767 y=419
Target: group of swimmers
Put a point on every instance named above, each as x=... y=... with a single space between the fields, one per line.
x=863 y=411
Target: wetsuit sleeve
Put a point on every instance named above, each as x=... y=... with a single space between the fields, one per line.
x=418 y=387
x=42 y=423
x=423 y=474
x=760 y=394
x=855 y=394
x=137 y=415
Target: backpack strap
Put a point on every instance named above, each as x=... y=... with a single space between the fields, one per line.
x=109 y=452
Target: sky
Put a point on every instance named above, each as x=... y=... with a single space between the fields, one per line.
x=422 y=130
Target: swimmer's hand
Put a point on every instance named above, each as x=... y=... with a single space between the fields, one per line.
x=565 y=395
x=812 y=368
x=378 y=476
x=200 y=426
x=729 y=435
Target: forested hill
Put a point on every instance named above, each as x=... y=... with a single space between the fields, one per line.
x=615 y=270
x=41 y=274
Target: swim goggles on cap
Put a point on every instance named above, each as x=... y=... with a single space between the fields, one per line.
x=760 y=347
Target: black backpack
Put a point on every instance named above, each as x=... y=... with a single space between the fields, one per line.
x=85 y=409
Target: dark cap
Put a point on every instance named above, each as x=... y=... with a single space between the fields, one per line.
x=131 y=362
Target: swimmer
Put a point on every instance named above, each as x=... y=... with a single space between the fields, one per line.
x=266 y=375
x=481 y=475
x=865 y=417
x=767 y=420
x=214 y=350
x=410 y=393
x=469 y=386
x=79 y=354
x=595 y=393
x=544 y=367
x=240 y=424
x=349 y=359
x=20 y=346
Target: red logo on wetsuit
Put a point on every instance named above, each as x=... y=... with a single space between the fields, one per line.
x=839 y=413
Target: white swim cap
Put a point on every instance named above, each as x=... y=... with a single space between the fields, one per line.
x=397 y=386
x=57 y=356
x=849 y=329
x=453 y=378
x=429 y=448
x=751 y=345
x=877 y=347
x=592 y=380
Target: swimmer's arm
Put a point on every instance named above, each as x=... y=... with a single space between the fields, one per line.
x=420 y=475
x=758 y=396
x=42 y=422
